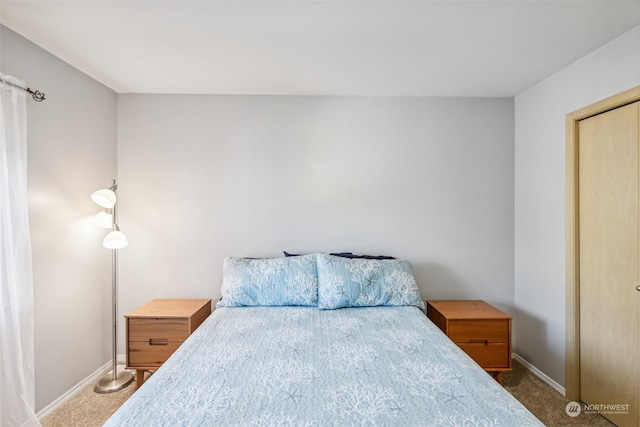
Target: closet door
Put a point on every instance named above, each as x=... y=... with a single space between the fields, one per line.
x=609 y=254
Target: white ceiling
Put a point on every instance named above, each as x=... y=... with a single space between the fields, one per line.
x=305 y=47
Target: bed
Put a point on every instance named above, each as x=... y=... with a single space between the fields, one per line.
x=360 y=360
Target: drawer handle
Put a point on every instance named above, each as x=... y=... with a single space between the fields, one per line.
x=479 y=342
x=158 y=341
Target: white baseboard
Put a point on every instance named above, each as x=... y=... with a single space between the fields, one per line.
x=538 y=373
x=76 y=388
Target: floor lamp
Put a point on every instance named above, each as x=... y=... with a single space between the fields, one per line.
x=118 y=379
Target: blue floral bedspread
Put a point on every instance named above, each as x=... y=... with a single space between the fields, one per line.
x=300 y=366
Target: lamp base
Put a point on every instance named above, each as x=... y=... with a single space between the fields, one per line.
x=107 y=384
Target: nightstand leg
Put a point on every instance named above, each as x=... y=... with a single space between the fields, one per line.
x=497 y=376
x=139 y=378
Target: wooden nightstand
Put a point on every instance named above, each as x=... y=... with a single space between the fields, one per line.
x=478 y=328
x=155 y=330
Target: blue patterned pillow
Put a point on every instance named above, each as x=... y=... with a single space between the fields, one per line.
x=356 y=282
x=269 y=282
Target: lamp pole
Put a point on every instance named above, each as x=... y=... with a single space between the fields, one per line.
x=119 y=379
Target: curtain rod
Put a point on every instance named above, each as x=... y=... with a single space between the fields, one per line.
x=36 y=95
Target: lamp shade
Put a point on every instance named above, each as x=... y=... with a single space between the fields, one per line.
x=115 y=240
x=103 y=219
x=105 y=198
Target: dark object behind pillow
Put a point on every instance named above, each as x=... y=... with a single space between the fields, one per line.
x=373 y=257
x=349 y=255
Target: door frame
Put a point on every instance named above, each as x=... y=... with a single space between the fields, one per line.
x=572 y=246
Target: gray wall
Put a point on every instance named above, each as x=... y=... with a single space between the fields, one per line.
x=204 y=177
x=540 y=193
x=71 y=153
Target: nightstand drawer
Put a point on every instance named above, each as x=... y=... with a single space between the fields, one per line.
x=473 y=330
x=147 y=355
x=488 y=355
x=144 y=329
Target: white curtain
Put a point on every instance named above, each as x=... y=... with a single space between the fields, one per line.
x=17 y=383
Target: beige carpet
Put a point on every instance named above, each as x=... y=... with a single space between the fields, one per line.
x=88 y=409
x=543 y=401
